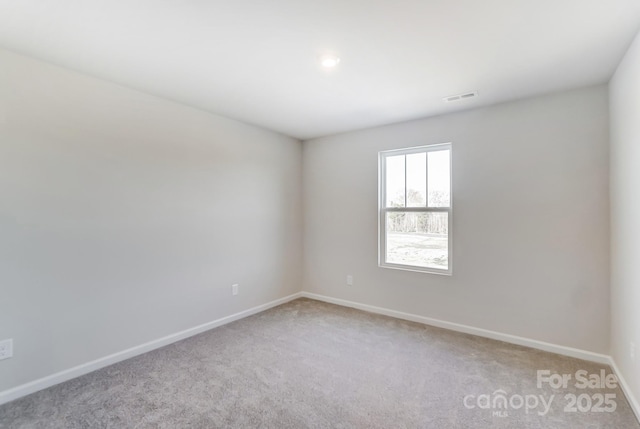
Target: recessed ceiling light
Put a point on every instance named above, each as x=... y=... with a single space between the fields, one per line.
x=329 y=61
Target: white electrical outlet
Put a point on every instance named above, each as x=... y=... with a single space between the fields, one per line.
x=349 y=280
x=234 y=289
x=632 y=350
x=6 y=349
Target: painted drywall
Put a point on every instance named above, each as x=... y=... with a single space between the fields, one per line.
x=624 y=99
x=530 y=219
x=125 y=217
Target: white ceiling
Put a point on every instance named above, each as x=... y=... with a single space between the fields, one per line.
x=256 y=60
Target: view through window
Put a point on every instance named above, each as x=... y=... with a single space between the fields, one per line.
x=415 y=208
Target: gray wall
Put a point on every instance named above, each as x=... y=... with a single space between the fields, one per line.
x=125 y=217
x=625 y=216
x=530 y=219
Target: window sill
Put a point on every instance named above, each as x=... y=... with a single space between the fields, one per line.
x=417 y=269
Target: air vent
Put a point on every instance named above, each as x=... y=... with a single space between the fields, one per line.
x=459 y=97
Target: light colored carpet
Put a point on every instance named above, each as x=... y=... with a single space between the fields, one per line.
x=308 y=364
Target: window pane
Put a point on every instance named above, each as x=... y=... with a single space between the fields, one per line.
x=417 y=180
x=395 y=181
x=419 y=239
x=439 y=178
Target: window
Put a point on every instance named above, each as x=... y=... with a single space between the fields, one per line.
x=415 y=209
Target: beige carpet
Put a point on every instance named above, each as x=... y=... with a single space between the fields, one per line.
x=308 y=364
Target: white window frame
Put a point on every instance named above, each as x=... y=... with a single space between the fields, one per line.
x=382 y=210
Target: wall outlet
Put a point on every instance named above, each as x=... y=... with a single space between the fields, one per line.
x=349 y=280
x=632 y=351
x=234 y=289
x=6 y=349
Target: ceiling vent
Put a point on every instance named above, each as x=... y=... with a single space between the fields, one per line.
x=465 y=96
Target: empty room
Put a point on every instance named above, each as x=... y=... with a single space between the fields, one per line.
x=306 y=214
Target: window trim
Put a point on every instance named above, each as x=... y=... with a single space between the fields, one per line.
x=382 y=210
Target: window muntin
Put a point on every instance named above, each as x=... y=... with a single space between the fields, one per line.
x=415 y=209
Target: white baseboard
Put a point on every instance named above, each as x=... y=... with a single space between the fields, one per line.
x=68 y=374
x=513 y=339
x=633 y=402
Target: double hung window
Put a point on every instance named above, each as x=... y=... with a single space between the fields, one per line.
x=415 y=209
